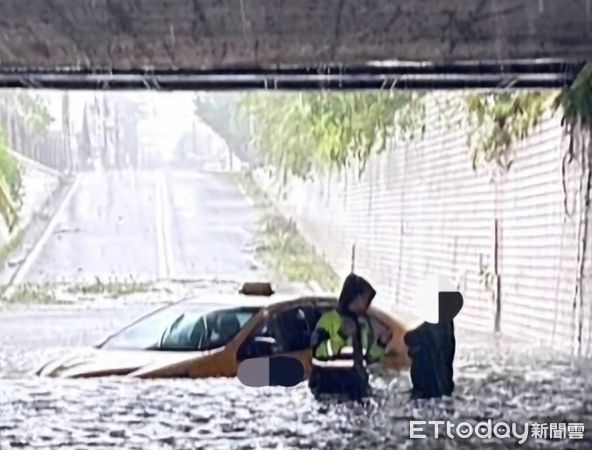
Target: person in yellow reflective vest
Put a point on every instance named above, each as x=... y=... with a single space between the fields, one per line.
x=343 y=344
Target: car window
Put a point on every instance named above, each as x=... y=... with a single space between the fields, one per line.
x=146 y=332
x=314 y=313
x=265 y=341
x=182 y=326
x=193 y=331
x=295 y=329
x=284 y=332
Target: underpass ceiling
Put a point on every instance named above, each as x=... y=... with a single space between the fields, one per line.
x=292 y=44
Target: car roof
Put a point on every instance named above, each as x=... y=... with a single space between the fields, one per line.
x=236 y=300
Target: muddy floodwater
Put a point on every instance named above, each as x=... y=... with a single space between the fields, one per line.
x=501 y=381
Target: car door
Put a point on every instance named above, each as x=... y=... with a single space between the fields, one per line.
x=285 y=333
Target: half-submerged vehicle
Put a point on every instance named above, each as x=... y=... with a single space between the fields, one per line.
x=211 y=334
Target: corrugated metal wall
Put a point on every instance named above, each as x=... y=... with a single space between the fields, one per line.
x=419 y=207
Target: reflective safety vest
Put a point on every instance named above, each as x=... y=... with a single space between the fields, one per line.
x=337 y=351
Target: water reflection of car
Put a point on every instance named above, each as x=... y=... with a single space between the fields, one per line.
x=209 y=337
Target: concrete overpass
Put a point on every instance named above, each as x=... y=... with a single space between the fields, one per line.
x=206 y=43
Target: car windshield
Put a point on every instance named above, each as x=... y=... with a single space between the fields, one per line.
x=185 y=327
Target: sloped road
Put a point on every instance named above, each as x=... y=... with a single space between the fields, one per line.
x=149 y=225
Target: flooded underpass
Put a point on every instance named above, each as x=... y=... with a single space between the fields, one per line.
x=498 y=381
x=93 y=270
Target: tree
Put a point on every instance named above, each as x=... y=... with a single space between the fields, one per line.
x=10 y=184
x=497 y=121
x=85 y=144
x=25 y=121
x=299 y=133
x=223 y=114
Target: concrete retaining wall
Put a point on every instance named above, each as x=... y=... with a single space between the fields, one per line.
x=39 y=184
x=420 y=208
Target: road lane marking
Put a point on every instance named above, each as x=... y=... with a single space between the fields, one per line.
x=22 y=271
x=163 y=233
x=168 y=236
x=162 y=266
x=161 y=255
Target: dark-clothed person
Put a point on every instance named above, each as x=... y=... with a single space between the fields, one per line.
x=343 y=344
x=431 y=347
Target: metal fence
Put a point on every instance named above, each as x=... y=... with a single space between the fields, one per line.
x=48 y=149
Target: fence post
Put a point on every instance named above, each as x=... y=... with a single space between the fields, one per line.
x=498 y=290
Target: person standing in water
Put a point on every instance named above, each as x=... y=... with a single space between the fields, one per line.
x=432 y=344
x=343 y=343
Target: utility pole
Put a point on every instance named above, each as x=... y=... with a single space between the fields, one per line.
x=118 y=154
x=105 y=117
x=193 y=140
x=67 y=135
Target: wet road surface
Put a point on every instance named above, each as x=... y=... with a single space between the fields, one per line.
x=211 y=225
x=149 y=225
x=503 y=382
x=123 y=225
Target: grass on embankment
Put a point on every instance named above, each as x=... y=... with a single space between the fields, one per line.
x=29 y=232
x=281 y=246
x=55 y=293
x=33 y=294
x=11 y=246
x=112 y=289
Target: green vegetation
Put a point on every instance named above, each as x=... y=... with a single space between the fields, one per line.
x=10 y=184
x=11 y=246
x=576 y=102
x=222 y=114
x=300 y=133
x=30 y=293
x=576 y=106
x=56 y=293
x=498 y=121
x=252 y=190
x=303 y=133
x=113 y=289
x=31 y=114
x=30 y=109
x=282 y=247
